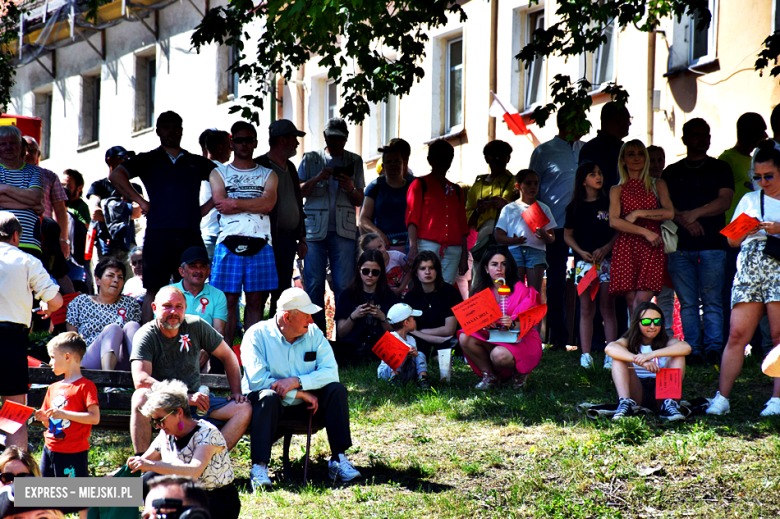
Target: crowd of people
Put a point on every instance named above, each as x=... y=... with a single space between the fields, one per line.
x=224 y=231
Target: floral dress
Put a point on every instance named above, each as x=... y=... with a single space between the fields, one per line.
x=637 y=265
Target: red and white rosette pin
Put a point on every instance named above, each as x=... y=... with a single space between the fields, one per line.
x=123 y=314
x=185 y=342
x=204 y=302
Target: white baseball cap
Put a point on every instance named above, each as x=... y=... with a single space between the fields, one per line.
x=400 y=312
x=296 y=299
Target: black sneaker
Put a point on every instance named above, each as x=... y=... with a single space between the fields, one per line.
x=670 y=411
x=394 y=381
x=422 y=383
x=625 y=409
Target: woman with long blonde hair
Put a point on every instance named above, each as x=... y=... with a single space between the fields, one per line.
x=637 y=207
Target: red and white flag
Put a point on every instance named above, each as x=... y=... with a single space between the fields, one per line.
x=511 y=117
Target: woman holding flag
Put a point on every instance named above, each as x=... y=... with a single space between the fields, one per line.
x=756 y=286
x=497 y=361
x=106 y=321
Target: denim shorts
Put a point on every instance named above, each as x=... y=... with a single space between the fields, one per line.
x=529 y=257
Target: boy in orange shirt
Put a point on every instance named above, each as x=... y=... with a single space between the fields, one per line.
x=69 y=411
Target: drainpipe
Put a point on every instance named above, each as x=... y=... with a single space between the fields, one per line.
x=650 y=84
x=493 y=64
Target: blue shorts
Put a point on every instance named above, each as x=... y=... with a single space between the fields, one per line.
x=529 y=257
x=215 y=402
x=230 y=272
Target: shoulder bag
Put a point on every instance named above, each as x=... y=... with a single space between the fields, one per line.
x=668 y=230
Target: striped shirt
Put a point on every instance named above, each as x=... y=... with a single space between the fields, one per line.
x=26 y=178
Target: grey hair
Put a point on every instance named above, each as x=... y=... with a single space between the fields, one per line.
x=11 y=131
x=137 y=248
x=8 y=224
x=168 y=395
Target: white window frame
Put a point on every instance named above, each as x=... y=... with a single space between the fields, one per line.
x=537 y=63
x=151 y=88
x=775 y=16
x=448 y=124
x=43 y=111
x=328 y=104
x=610 y=47
x=712 y=37
x=388 y=120
x=145 y=86
x=232 y=77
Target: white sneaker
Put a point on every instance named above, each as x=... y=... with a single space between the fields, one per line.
x=772 y=407
x=719 y=405
x=343 y=469
x=608 y=362
x=586 y=361
x=258 y=476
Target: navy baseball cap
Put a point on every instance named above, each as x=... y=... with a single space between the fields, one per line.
x=118 y=151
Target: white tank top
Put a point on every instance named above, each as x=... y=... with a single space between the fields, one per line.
x=244 y=183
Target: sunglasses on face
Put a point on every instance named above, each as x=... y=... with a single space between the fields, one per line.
x=243 y=140
x=372 y=272
x=157 y=422
x=8 y=477
x=765 y=178
x=646 y=322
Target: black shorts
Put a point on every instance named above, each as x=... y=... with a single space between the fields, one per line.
x=64 y=464
x=162 y=254
x=13 y=351
x=648 y=393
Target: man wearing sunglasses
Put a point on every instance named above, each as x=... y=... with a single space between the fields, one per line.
x=701 y=189
x=244 y=193
x=332 y=182
x=172 y=177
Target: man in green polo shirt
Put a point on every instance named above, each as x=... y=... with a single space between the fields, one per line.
x=203 y=300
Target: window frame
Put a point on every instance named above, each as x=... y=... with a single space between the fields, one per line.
x=328 y=84
x=712 y=37
x=540 y=63
x=448 y=126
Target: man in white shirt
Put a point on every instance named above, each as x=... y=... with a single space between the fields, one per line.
x=288 y=362
x=20 y=275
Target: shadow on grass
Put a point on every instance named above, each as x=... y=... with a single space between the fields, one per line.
x=554 y=390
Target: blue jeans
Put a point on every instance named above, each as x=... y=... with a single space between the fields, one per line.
x=698 y=280
x=341 y=253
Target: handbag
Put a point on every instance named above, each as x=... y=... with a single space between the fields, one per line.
x=244 y=245
x=772 y=246
x=668 y=230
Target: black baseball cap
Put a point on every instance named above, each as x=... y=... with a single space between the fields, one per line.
x=194 y=254
x=284 y=127
x=118 y=151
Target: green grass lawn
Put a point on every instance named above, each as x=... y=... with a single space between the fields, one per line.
x=457 y=452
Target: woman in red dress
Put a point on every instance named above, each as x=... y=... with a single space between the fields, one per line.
x=636 y=212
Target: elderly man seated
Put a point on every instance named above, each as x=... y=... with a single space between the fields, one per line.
x=168 y=347
x=288 y=362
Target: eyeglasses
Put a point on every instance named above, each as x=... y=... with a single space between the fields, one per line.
x=157 y=422
x=765 y=178
x=243 y=140
x=8 y=477
x=647 y=322
x=372 y=272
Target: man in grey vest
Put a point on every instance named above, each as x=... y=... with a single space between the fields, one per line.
x=332 y=183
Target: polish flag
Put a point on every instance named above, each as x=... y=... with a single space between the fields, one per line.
x=512 y=119
x=510 y=115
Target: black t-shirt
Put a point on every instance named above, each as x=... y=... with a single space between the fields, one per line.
x=103 y=189
x=590 y=224
x=692 y=185
x=174 y=188
x=435 y=306
x=366 y=330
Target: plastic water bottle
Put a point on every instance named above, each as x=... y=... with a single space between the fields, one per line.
x=503 y=296
x=204 y=390
x=90 y=243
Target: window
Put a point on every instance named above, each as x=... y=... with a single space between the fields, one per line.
x=232 y=76
x=145 y=84
x=90 y=110
x=702 y=43
x=453 y=95
x=599 y=67
x=534 y=74
x=691 y=47
x=331 y=100
x=775 y=16
x=43 y=112
x=383 y=124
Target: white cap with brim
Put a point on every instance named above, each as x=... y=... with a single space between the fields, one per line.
x=297 y=299
x=399 y=312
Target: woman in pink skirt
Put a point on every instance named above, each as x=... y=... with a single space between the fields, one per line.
x=501 y=361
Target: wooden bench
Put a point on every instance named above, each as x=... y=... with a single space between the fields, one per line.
x=115 y=407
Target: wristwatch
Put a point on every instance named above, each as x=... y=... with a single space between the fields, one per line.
x=354 y=188
x=300 y=384
x=66 y=241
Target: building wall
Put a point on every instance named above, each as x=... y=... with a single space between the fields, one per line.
x=194 y=86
